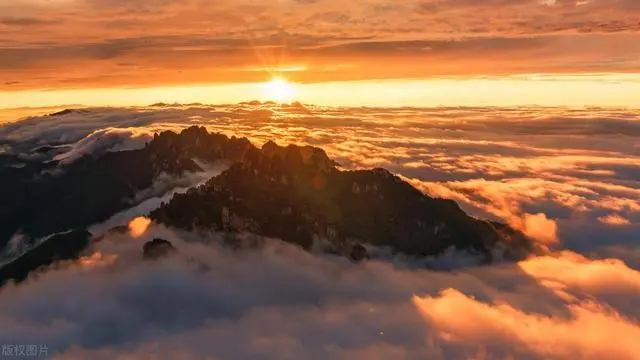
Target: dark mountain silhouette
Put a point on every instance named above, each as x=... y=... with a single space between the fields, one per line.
x=157 y=248
x=59 y=247
x=295 y=193
x=41 y=199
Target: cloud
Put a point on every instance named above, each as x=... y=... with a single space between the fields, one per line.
x=629 y=253
x=106 y=140
x=125 y=43
x=25 y=22
x=164 y=187
x=567 y=177
x=139 y=226
x=558 y=174
x=615 y=220
x=539 y=227
x=588 y=334
x=586 y=331
x=599 y=278
x=280 y=302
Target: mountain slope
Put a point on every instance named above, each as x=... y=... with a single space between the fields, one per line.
x=297 y=194
x=65 y=246
x=41 y=199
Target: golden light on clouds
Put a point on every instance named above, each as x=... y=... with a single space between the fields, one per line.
x=97 y=259
x=279 y=69
x=586 y=333
x=589 y=331
x=139 y=226
x=126 y=46
x=615 y=220
x=586 y=90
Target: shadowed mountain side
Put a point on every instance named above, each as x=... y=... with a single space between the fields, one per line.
x=87 y=191
x=59 y=247
x=293 y=193
x=298 y=195
x=39 y=199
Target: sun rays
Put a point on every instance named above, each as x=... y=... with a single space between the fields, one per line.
x=279 y=90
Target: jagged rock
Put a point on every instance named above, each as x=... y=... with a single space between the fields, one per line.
x=288 y=192
x=157 y=248
x=358 y=253
x=92 y=189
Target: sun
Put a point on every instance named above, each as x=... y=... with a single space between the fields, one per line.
x=279 y=90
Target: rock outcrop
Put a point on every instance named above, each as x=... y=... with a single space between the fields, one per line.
x=295 y=193
x=157 y=248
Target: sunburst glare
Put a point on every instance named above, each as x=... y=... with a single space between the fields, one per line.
x=279 y=90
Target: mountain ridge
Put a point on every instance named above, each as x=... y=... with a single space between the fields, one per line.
x=294 y=193
x=314 y=199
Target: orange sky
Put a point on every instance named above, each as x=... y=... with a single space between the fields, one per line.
x=106 y=44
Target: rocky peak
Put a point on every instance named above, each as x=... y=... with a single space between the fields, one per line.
x=157 y=248
x=296 y=194
x=63 y=112
x=297 y=157
x=197 y=142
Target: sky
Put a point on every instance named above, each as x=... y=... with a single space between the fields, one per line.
x=361 y=52
x=525 y=112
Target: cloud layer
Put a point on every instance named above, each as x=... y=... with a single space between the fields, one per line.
x=280 y=302
x=98 y=43
x=567 y=177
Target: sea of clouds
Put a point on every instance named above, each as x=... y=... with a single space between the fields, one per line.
x=280 y=302
x=567 y=177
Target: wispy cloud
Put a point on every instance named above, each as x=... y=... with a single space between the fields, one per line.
x=124 y=43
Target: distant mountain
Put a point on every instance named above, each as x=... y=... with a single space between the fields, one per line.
x=295 y=193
